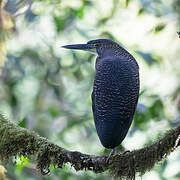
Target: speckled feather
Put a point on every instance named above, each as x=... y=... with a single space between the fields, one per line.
x=115 y=91
x=115 y=95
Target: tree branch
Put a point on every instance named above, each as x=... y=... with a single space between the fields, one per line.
x=15 y=140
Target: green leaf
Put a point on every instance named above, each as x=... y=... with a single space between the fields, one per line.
x=54 y=111
x=127 y=3
x=158 y=28
x=156 y=109
x=59 y=23
x=141 y=11
x=23 y=123
x=80 y=12
x=21 y=162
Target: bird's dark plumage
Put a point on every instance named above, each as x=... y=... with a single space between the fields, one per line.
x=115 y=91
x=114 y=98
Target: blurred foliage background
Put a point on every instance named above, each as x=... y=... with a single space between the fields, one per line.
x=48 y=89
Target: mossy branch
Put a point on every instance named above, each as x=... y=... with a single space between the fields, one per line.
x=15 y=140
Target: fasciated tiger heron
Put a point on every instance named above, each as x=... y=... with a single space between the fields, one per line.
x=115 y=90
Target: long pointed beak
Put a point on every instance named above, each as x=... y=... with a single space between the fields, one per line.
x=79 y=46
x=86 y=47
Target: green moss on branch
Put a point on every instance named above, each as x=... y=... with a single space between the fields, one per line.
x=15 y=140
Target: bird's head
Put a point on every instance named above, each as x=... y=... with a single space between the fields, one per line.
x=100 y=47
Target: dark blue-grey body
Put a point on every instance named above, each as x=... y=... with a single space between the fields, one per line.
x=115 y=91
x=115 y=95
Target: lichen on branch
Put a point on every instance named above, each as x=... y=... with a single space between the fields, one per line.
x=15 y=141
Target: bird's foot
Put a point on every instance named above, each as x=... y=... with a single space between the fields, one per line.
x=110 y=154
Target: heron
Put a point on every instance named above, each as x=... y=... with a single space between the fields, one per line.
x=115 y=90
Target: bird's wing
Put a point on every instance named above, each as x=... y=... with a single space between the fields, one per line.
x=114 y=98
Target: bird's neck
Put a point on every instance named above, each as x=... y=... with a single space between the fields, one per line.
x=117 y=51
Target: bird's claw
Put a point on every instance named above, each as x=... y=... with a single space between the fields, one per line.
x=110 y=154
